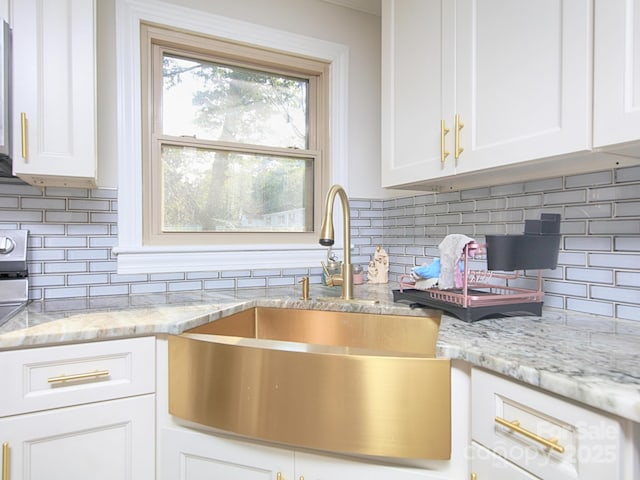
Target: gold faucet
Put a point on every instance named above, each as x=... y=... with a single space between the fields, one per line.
x=327 y=236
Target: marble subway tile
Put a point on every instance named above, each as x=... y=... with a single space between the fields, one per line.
x=589 y=179
x=599 y=223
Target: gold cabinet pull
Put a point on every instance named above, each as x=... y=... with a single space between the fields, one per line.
x=25 y=143
x=278 y=476
x=79 y=376
x=515 y=426
x=474 y=476
x=5 y=461
x=459 y=126
x=443 y=132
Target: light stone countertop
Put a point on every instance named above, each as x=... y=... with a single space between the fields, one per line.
x=591 y=359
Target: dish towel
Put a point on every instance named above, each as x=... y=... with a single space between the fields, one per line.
x=450 y=253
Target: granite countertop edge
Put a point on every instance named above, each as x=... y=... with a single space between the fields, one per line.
x=590 y=359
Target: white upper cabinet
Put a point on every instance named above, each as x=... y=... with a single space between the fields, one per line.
x=509 y=80
x=522 y=80
x=616 y=72
x=54 y=92
x=417 y=90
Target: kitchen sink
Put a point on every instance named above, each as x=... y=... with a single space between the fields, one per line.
x=348 y=382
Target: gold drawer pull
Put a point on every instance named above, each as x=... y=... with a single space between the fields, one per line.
x=79 y=376
x=5 y=461
x=515 y=426
x=443 y=132
x=25 y=141
x=458 y=148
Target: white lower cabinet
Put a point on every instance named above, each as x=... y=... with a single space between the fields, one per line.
x=64 y=375
x=100 y=441
x=489 y=466
x=320 y=467
x=191 y=455
x=78 y=412
x=522 y=432
x=187 y=454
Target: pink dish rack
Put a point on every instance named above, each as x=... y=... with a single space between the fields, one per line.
x=487 y=292
x=478 y=298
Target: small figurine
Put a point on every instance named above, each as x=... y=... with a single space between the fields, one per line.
x=378 y=271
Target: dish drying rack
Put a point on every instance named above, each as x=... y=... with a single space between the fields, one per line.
x=507 y=256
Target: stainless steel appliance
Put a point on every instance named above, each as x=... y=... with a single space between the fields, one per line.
x=14 y=275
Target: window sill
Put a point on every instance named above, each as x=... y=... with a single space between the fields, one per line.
x=197 y=259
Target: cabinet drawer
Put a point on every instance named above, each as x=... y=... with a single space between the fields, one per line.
x=543 y=434
x=486 y=465
x=50 y=377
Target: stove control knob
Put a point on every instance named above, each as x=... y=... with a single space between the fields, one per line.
x=6 y=245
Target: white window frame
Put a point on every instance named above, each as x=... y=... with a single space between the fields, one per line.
x=132 y=255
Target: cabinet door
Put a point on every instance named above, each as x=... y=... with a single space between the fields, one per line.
x=417 y=89
x=522 y=80
x=102 y=441
x=486 y=465
x=54 y=100
x=616 y=72
x=191 y=455
x=316 y=467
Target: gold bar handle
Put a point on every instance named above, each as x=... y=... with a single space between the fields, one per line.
x=5 y=461
x=278 y=476
x=443 y=132
x=515 y=426
x=79 y=376
x=459 y=126
x=474 y=476
x=25 y=143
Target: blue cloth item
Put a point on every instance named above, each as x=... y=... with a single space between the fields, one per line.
x=428 y=271
x=432 y=270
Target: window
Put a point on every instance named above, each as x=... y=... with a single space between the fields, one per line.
x=134 y=251
x=234 y=141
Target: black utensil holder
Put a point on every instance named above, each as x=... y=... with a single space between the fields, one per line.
x=522 y=252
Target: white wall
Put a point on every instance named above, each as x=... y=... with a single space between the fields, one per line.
x=312 y=18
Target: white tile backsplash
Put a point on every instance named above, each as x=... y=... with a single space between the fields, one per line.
x=72 y=232
x=599 y=259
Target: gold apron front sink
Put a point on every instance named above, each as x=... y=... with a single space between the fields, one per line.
x=357 y=383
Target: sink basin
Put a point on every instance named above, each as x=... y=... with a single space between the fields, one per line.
x=358 y=383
